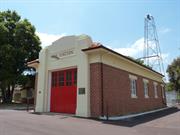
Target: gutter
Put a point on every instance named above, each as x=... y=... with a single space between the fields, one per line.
x=125 y=57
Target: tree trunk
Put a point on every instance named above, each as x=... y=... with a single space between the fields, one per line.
x=7 y=94
x=3 y=94
x=12 y=92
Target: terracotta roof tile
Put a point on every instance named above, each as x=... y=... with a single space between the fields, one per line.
x=95 y=44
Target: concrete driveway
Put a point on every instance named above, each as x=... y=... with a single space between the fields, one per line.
x=14 y=122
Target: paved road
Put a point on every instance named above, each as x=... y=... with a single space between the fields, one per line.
x=14 y=122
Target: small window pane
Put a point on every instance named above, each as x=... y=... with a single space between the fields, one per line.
x=133 y=87
x=61 y=78
x=54 y=80
x=162 y=89
x=68 y=78
x=155 y=91
x=145 y=89
x=75 y=77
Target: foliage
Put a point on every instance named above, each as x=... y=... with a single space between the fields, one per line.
x=26 y=81
x=141 y=62
x=173 y=71
x=169 y=86
x=18 y=45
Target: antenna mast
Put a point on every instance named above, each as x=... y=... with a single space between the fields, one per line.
x=152 y=53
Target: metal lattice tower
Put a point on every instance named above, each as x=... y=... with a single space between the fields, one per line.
x=152 y=53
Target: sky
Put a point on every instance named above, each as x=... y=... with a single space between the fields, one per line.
x=117 y=24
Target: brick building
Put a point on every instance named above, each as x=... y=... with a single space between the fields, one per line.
x=77 y=76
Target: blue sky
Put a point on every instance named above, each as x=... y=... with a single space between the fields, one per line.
x=118 y=24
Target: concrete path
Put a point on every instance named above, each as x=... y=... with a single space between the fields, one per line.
x=14 y=122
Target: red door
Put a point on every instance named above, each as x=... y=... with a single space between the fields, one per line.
x=63 y=91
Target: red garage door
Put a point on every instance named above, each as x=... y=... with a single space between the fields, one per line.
x=63 y=91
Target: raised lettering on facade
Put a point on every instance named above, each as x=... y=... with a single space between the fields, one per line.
x=62 y=54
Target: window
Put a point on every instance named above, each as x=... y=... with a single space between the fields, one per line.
x=133 y=86
x=54 y=79
x=61 y=78
x=155 y=90
x=162 y=90
x=75 y=78
x=146 y=92
x=68 y=78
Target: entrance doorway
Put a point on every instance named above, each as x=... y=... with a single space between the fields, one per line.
x=63 y=91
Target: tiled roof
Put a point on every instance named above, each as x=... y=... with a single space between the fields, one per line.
x=95 y=44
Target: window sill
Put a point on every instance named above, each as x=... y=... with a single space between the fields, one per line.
x=134 y=96
x=146 y=96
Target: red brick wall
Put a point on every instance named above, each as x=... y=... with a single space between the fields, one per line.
x=116 y=92
x=95 y=90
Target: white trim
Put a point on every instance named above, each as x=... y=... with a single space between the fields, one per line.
x=133 y=77
x=133 y=96
x=156 y=94
x=125 y=59
x=133 y=88
x=162 y=91
x=49 y=91
x=146 y=88
x=155 y=84
x=62 y=69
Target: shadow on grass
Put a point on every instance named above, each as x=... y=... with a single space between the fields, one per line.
x=130 y=122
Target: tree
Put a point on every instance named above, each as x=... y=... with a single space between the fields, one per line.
x=18 y=45
x=141 y=62
x=169 y=86
x=174 y=74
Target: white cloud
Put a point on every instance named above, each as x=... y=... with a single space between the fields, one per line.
x=47 y=39
x=164 y=30
x=165 y=57
x=134 y=50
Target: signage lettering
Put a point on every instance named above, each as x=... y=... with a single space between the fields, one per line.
x=62 y=54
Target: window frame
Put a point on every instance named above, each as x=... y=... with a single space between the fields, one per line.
x=133 y=86
x=61 y=79
x=146 y=88
x=54 y=80
x=68 y=78
x=155 y=85
x=162 y=91
x=75 y=77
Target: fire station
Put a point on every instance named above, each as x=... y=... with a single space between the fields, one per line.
x=80 y=77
